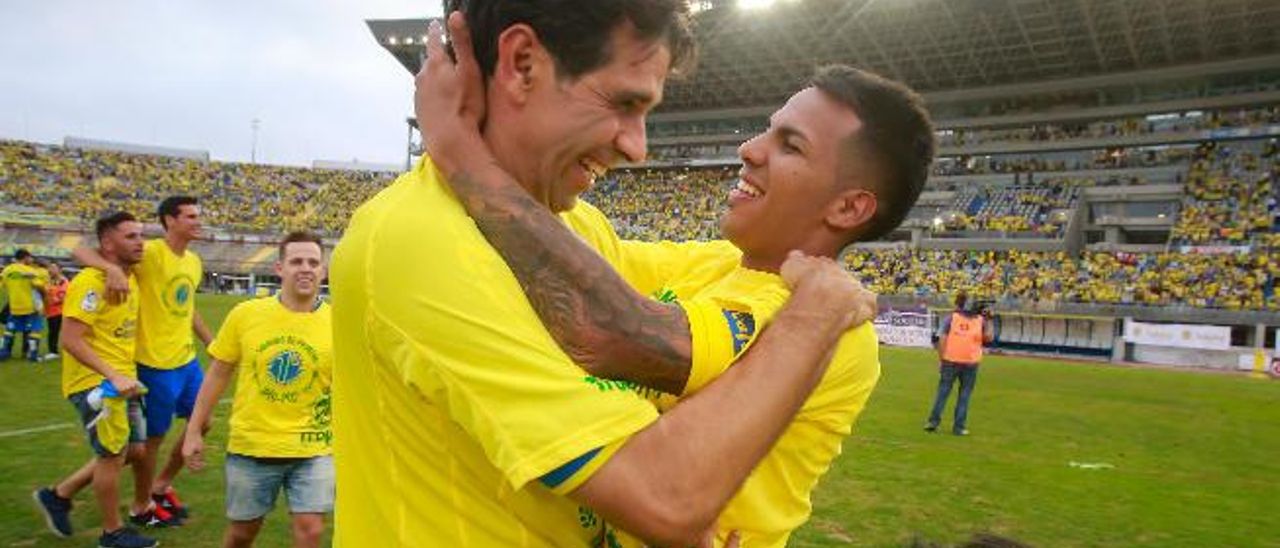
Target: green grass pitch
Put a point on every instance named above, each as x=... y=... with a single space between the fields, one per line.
x=1195 y=460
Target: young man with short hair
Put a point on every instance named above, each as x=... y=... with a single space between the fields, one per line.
x=167 y=277
x=281 y=351
x=99 y=378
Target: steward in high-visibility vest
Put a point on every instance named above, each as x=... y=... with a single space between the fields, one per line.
x=962 y=344
x=961 y=337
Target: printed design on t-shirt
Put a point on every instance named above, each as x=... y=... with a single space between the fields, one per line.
x=742 y=327
x=318 y=428
x=90 y=301
x=604 y=536
x=665 y=295
x=284 y=367
x=178 y=295
x=126 y=330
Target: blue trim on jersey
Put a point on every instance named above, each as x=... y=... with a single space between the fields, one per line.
x=742 y=326
x=555 y=477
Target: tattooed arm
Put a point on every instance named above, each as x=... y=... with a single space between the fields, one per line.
x=597 y=318
x=603 y=324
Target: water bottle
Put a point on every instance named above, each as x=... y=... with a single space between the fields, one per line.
x=103 y=390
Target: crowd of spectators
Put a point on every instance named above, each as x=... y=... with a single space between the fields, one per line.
x=1013 y=208
x=1178 y=122
x=664 y=204
x=1025 y=163
x=1237 y=281
x=82 y=184
x=1230 y=197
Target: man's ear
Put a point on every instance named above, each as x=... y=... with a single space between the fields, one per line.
x=520 y=54
x=851 y=209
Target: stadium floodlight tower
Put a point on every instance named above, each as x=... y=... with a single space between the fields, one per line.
x=406 y=40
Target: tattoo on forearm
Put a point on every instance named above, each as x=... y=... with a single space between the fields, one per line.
x=601 y=322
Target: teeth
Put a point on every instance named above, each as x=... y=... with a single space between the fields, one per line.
x=594 y=169
x=749 y=189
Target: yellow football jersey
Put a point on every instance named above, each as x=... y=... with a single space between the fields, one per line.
x=21 y=281
x=284 y=361
x=728 y=306
x=168 y=284
x=112 y=329
x=451 y=400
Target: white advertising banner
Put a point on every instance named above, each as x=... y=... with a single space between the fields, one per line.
x=1208 y=337
x=904 y=327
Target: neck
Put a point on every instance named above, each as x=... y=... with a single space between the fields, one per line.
x=505 y=147
x=772 y=262
x=113 y=259
x=297 y=302
x=761 y=263
x=177 y=243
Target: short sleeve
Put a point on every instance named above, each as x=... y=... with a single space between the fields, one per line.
x=722 y=330
x=466 y=338
x=577 y=472
x=85 y=298
x=226 y=345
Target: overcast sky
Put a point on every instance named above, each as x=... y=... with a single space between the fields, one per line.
x=193 y=74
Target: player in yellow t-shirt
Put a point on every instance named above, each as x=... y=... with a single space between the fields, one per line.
x=168 y=276
x=280 y=438
x=832 y=169
x=100 y=380
x=22 y=282
x=458 y=421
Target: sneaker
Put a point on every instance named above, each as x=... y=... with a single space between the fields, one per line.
x=930 y=427
x=56 y=510
x=51 y=356
x=169 y=501
x=125 y=537
x=961 y=432
x=155 y=518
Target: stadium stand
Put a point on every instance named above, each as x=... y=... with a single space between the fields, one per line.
x=81 y=184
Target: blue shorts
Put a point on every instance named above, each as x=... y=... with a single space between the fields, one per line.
x=108 y=432
x=26 y=323
x=254 y=483
x=170 y=392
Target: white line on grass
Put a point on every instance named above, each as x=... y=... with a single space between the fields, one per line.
x=37 y=429
x=60 y=426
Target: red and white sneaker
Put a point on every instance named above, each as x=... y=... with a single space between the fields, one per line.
x=170 y=503
x=155 y=517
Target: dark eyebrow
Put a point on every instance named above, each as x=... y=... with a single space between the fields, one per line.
x=628 y=97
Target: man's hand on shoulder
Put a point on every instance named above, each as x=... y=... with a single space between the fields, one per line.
x=117 y=285
x=829 y=288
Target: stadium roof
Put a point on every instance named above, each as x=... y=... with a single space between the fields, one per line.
x=753 y=57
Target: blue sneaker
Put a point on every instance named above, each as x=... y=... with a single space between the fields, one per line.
x=56 y=510
x=125 y=537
